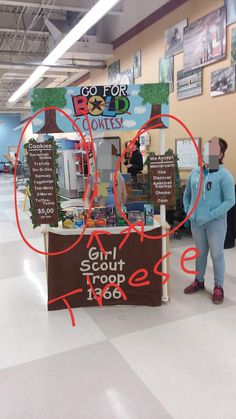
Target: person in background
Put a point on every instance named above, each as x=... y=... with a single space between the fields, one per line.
x=135 y=165
x=106 y=197
x=209 y=222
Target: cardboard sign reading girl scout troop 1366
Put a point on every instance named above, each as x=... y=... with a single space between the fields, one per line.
x=162 y=180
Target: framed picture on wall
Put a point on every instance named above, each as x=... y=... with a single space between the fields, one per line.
x=166 y=71
x=186 y=153
x=223 y=81
x=231 y=11
x=205 y=40
x=189 y=84
x=113 y=72
x=233 y=46
x=174 y=39
x=126 y=77
x=137 y=64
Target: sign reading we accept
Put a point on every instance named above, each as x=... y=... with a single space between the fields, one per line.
x=109 y=108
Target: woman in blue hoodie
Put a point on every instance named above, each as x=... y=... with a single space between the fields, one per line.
x=209 y=222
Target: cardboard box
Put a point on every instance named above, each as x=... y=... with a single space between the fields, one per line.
x=136 y=216
x=79 y=217
x=120 y=221
x=68 y=218
x=149 y=214
x=100 y=217
x=111 y=217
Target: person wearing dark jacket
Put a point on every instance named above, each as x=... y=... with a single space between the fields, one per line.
x=135 y=165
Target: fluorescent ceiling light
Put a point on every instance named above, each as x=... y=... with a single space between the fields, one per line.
x=97 y=12
x=35 y=76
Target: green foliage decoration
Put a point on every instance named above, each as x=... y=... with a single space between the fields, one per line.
x=42 y=98
x=155 y=93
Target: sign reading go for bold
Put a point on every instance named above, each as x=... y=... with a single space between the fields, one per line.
x=109 y=108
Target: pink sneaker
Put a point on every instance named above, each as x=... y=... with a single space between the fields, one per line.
x=194 y=287
x=218 y=295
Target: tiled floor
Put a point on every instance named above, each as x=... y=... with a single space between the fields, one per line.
x=177 y=361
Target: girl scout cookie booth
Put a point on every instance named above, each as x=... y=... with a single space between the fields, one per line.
x=131 y=270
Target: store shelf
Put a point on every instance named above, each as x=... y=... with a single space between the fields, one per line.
x=80 y=152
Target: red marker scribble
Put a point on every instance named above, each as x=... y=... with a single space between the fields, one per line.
x=63 y=298
x=142 y=130
x=15 y=190
x=137 y=281
x=70 y=311
x=95 y=235
x=184 y=259
x=138 y=278
x=127 y=232
x=99 y=298
x=163 y=274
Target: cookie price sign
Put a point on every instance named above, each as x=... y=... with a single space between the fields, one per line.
x=43 y=186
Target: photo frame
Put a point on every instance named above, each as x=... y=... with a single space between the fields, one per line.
x=231 y=11
x=205 y=40
x=166 y=72
x=174 y=39
x=189 y=84
x=233 y=46
x=223 y=81
x=113 y=72
x=126 y=77
x=137 y=64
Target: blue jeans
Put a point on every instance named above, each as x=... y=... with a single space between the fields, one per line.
x=210 y=235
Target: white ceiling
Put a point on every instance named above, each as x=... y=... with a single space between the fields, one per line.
x=30 y=29
x=134 y=11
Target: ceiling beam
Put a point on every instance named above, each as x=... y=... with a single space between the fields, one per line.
x=68 y=58
x=70 y=6
x=58 y=68
x=7 y=77
x=21 y=31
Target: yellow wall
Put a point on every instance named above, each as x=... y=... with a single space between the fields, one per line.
x=204 y=116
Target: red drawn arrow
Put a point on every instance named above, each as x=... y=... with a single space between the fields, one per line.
x=95 y=235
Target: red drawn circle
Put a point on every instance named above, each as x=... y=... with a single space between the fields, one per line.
x=87 y=183
x=142 y=130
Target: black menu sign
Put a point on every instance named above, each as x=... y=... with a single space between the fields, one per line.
x=43 y=183
x=162 y=180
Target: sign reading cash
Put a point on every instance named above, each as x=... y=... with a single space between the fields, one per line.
x=162 y=178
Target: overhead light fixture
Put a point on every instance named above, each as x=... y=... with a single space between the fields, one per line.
x=97 y=12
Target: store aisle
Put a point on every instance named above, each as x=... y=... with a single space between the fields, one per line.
x=176 y=361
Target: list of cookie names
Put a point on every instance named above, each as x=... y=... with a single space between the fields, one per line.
x=42 y=176
x=162 y=172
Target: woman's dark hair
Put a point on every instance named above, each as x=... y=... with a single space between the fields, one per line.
x=137 y=143
x=223 y=148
